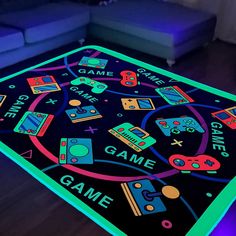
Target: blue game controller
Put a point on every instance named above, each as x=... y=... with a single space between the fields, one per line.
x=178 y=125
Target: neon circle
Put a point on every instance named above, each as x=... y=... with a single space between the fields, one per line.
x=170 y=192
x=166 y=224
x=93 y=61
x=79 y=150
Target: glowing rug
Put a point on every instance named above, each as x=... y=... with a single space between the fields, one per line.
x=139 y=150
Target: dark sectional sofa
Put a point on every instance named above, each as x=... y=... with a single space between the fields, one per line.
x=167 y=30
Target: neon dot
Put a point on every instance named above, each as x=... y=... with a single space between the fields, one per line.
x=217 y=100
x=12 y=86
x=119 y=115
x=166 y=224
x=209 y=194
x=136 y=91
x=105 y=100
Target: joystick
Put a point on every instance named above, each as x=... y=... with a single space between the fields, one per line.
x=144 y=199
x=79 y=114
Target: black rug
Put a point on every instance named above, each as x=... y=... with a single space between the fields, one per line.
x=136 y=148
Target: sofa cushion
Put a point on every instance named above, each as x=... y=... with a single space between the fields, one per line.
x=48 y=20
x=162 y=22
x=14 y=5
x=10 y=39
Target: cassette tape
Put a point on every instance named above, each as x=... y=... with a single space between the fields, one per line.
x=76 y=151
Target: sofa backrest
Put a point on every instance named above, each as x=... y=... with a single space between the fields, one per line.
x=15 y=5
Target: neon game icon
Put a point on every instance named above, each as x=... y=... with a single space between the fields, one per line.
x=174 y=95
x=34 y=123
x=227 y=117
x=76 y=151
x=137 y=104
x=43 y=84
x=135 y=137
x=93 y=62
x=2 y=99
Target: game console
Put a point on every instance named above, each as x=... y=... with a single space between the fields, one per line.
x=34 y=123
x=139 y=203
x=93 y=62
x=174 y=95
x=177 y=125
x=137 y=104
x=135 y=137
x=227 y=117
x=186 y=164
x=129 y=78
x=97 y=87
x=43 y=84
x=87 y=113
x=76 y=151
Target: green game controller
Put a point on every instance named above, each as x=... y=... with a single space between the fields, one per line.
x=97 y=87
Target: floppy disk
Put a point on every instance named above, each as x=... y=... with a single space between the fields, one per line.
x=76 y=151
x=137 y=104
x=43 y=84
x=33 y=123
x=2 y=99
x=93 y=62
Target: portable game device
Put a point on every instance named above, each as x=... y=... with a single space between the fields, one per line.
x=177 y=125
x=43 y=84
x=97 y=87
x=76 y=151
x=134 y=137
x=34 y=123
x=174 y=95
x=137 y=104
x=93 y=62
x=227 y=116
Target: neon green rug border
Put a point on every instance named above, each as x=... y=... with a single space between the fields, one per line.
x=214 y=212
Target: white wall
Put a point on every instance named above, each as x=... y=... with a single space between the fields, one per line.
x=226 y=15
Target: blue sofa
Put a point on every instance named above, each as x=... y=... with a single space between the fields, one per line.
x=167 y=30
x=37 y=28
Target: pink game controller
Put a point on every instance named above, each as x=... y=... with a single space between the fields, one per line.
x=129 y=78
x=186 y=164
